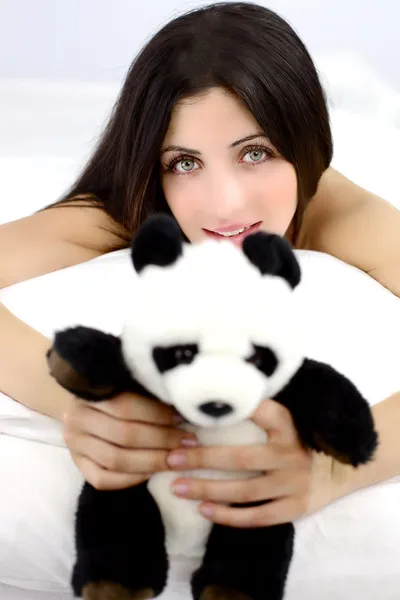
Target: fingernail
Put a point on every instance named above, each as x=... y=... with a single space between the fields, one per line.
x=206 y=510
x=188 y=442
x=181 y=489
x=176 y=460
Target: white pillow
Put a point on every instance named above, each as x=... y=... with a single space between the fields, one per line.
x=353 y=324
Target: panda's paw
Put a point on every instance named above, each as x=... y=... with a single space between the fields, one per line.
x=219 y=592
x=107 y=590
x=354 y=445
x=87 y=362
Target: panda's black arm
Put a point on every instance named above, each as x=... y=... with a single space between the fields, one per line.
x=89 y=363
x=330 y=413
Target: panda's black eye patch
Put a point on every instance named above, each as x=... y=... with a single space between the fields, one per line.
x=264 y=359
x=169 y=357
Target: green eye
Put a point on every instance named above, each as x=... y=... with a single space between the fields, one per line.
x=256 y=155
x=187 y=164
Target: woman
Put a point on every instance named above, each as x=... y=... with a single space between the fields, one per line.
x=221 y=121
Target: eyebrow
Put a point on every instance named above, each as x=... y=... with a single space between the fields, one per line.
x=197 y=152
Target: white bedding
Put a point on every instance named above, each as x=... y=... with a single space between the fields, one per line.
x=354 y=541
x=350 y=549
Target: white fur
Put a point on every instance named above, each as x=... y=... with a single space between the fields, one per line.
x=214 y=297
x=185 y=527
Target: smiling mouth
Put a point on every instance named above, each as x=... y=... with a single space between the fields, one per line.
x=234 y=233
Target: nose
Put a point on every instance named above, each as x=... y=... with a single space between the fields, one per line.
x=216 y=409
x=228 y=197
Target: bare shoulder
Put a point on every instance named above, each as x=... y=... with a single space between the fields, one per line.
x=347 y=221
x=53 y=239
x=355 y=225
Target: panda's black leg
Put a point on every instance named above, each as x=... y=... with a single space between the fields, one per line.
x=120 y=543
x=245 y=564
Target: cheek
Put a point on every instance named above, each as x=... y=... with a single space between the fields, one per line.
x=277 y=197
x=185 y=198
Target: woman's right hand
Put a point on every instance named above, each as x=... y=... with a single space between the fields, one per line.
x=120 y=442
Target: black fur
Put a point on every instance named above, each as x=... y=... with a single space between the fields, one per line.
x=253 y=561
x=330 y=414
x=119 y=538
x=169 y=357
x=272 y=255
x=158 y=242
x=97 y=356
x=264 y=359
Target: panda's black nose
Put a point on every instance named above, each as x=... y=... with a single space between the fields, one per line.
x=216 y=409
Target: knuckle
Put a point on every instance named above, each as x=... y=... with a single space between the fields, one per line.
x=279 y=413
x=125 y=431
x=278 y=410
x=111 y=459
x=69 y=420
x=125 y=405
x=118 y=406
x=245 y=458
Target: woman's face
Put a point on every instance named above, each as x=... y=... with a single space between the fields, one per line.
x=220 y=174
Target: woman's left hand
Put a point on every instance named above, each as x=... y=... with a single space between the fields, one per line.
x=295 y=480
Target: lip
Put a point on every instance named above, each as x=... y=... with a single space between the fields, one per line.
x=232 y=227
x=237 y=239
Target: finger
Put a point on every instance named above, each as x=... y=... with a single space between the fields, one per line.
x=128 y=434
x=276 y=419
x=115 y=458
x=102 y=479
x=136 y=408
x=235 y=458
x=284 y=510
x=267 y=487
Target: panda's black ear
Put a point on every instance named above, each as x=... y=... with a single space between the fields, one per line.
x=273 y=255
x=158 y=242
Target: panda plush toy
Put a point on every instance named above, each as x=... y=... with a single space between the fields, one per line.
x=212 y=330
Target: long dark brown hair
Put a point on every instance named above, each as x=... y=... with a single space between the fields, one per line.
x=242 y=47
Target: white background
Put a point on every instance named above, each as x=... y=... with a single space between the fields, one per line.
x=62 y=63
x=96 y=39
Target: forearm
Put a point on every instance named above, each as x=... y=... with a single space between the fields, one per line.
x=24 y=375
x=386 y=463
